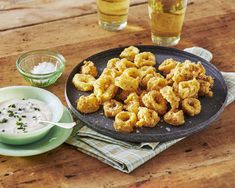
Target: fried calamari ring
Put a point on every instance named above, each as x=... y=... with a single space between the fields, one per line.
x=155 y=101
x=88 y=104
x=132 y=103
x=132 y=107
x=205 y=89
x=124 y=64
x=174 y=117
x=83 y=82
x=125 y=121
x=147 y=70
x=112 y=108
x=89 y=68
x=129 y=53
x=206 y=83
x=191 y=106
x=156 y=83
x=168 y=94
x=147 y=77
x=196 y=69
x=104 y=88
x=180 y=73
x=145 y=59
x=147 y=117
x=167 y=66
x=186 y=71
x=112 y=63
x=129 y=80
x=132 y=97
x=188 y=89
x=111 y=72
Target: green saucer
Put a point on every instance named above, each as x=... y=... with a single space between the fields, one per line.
x=52 y=140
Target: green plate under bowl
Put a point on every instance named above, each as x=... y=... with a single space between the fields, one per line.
x=52 y=140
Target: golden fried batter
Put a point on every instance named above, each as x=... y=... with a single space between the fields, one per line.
x=144 y=93
x=191 y=106
x=167 y=66
x=174 y=117
x=129 y=53
x=168 y=94
x=104 y=88
x=112 y=108
x=144 y=81
x=83 y=82
x=125 y=121
x=111 y=72
x=124 y=64
x=112 y=63
x=145 y=59
x=147 y=117
x=88 y=104
x=89 y=68
x=147 y=70
x=129 y=80
x=156 y=83
x=180 y=73
x=154 y=100
x=188 y=89
x=132 y=103
x=206 y=83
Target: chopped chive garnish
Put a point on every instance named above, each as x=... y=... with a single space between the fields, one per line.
x=12 y=106
x=36 y=109
x=4 y=120
x=23 y=116
x=19 y=123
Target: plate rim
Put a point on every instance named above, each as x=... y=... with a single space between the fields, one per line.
x=174 y=134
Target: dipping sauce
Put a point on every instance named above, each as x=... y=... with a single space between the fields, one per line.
x=22 y=115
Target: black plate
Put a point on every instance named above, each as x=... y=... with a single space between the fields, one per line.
x=211 y=107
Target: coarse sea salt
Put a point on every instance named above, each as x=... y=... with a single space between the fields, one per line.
x=44 y=68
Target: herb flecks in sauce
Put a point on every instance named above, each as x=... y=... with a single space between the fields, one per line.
x=4 y=120
x=12 y=106
x=22 y=115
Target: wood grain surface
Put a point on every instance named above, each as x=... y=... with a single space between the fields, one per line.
x=206 y=159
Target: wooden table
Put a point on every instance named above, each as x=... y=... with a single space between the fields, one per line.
x=206 y=159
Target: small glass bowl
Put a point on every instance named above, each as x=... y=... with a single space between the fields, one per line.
x=28 y=61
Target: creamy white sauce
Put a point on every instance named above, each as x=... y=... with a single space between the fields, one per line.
x=21 y=116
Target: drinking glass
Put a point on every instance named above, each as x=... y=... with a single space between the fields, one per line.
x=166 y=20
x=113 y=14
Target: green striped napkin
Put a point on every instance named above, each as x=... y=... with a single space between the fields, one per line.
x=126 y=156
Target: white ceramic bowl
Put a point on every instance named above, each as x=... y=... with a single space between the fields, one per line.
x=19 y=92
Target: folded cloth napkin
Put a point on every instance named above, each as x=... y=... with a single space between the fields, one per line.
x=126 y=156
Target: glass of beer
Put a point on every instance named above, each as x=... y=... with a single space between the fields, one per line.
x=112 y=14
x=166 y=20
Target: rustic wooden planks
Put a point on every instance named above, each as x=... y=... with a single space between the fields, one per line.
x=21 y=13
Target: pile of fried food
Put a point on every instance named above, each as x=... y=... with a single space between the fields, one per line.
x=133 y=91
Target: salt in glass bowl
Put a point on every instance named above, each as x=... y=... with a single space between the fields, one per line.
x=27 y=62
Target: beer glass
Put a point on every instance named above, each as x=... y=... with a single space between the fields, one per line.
x=166 y=20
x=112 y=14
